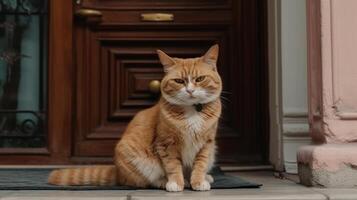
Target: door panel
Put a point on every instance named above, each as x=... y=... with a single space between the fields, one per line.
x=116 y=60
x=115 y=76
x=156 y=4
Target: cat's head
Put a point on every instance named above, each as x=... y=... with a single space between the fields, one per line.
x=191 y=81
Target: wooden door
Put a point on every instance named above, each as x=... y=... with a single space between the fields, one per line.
x=115 y=60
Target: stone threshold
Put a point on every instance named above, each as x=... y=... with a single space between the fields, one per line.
x=227 y=168
x=273 y=189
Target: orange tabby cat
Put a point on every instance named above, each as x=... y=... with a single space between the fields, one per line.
x=170 y=142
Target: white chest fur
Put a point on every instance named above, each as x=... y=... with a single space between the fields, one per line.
x=191 y=145
x=194 y=120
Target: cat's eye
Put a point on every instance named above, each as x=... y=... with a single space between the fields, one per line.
x=179 y=81
x=200 y=78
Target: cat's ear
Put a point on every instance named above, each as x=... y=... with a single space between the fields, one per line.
x=211 y=55
x=165 y=60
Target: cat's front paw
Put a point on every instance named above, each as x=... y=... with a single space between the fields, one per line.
x=201 y=186
x=172 y=186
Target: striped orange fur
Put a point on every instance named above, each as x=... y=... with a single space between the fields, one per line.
x=94 y=175
x=171 y=143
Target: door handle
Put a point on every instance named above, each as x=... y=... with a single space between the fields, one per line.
x=88 y=13
x=157 y=17
x=154 y=86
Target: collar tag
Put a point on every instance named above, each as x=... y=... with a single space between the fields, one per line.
x=198 y=107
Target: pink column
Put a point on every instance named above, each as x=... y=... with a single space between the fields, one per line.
x=332 y=72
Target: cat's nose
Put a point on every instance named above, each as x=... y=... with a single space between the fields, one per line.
x=190 y=90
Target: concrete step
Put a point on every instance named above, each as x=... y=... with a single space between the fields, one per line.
x=272 y=189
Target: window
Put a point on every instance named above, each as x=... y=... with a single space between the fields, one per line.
x=23 y=73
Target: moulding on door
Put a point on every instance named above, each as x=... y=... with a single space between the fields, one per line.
x=296 y=129
x=295 y=135
x=295 y=124
x=295 y=114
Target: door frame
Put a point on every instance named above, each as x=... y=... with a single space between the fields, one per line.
x=61 y=88
x=276 y=157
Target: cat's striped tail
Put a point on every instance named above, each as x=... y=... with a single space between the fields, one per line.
x=96 y=175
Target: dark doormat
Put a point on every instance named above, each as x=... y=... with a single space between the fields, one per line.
x=36 y=179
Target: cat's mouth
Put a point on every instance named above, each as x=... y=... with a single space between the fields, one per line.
x=187 y=100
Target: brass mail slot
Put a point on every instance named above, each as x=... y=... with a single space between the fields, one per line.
x=157 y=17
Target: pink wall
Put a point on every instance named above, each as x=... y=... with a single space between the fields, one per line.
x=333 y=84
x=332 y=75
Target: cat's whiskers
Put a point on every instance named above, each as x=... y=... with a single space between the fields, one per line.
x=224 y=102
x=226 y=99
x=226 y=92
